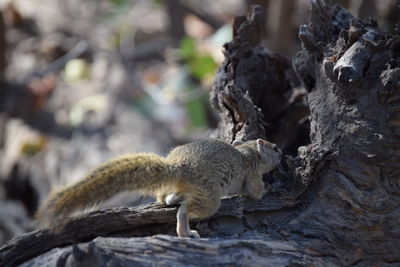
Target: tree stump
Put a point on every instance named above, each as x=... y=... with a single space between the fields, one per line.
x=343 y=205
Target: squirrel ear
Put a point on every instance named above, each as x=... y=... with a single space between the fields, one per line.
x=260 y=143
x=237 y=142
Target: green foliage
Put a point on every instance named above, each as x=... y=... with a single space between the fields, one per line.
x=196 y=112
x=159 y=2
x=201 y=64
x=121 y=3
x=188 y=47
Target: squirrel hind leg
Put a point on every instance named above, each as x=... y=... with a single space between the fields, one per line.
x=204 y=205
x=199 y=206
x=182 y=226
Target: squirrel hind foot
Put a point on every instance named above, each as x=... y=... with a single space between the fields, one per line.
x=182 y=226
x=190 y=234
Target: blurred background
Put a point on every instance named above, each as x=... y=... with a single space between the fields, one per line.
x=84 y=81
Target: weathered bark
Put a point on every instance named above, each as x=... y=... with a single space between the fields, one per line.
x=354 y=123
x=343 y=207
x=147 y=220
x=252 y=91
x=171 y=251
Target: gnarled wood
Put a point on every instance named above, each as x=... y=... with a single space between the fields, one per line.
x=355 y=215
x=252 y=91
x=164 y=250
x=147 y=220
x=343 y=208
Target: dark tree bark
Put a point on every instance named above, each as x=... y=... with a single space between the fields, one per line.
x=176 y=14
x=354 y=107
x=252 y=91
x=343 y=205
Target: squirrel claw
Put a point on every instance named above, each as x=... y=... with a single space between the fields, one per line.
x=194 y=234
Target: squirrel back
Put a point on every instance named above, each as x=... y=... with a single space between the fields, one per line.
x=211 y=162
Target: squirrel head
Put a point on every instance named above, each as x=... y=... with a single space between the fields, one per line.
x=268 y=152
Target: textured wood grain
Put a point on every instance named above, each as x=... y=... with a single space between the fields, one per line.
x=147 y=220
x=164 y=250
x=338 y=203
x=357 y=207
x=252 y=90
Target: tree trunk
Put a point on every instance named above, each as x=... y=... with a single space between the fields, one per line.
x=336 y=203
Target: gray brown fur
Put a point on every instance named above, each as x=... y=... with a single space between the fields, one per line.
x=199 y=173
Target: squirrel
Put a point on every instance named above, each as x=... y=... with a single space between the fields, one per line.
x=195 y=175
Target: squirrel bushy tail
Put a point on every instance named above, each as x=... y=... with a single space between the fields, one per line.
x=139 y=172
